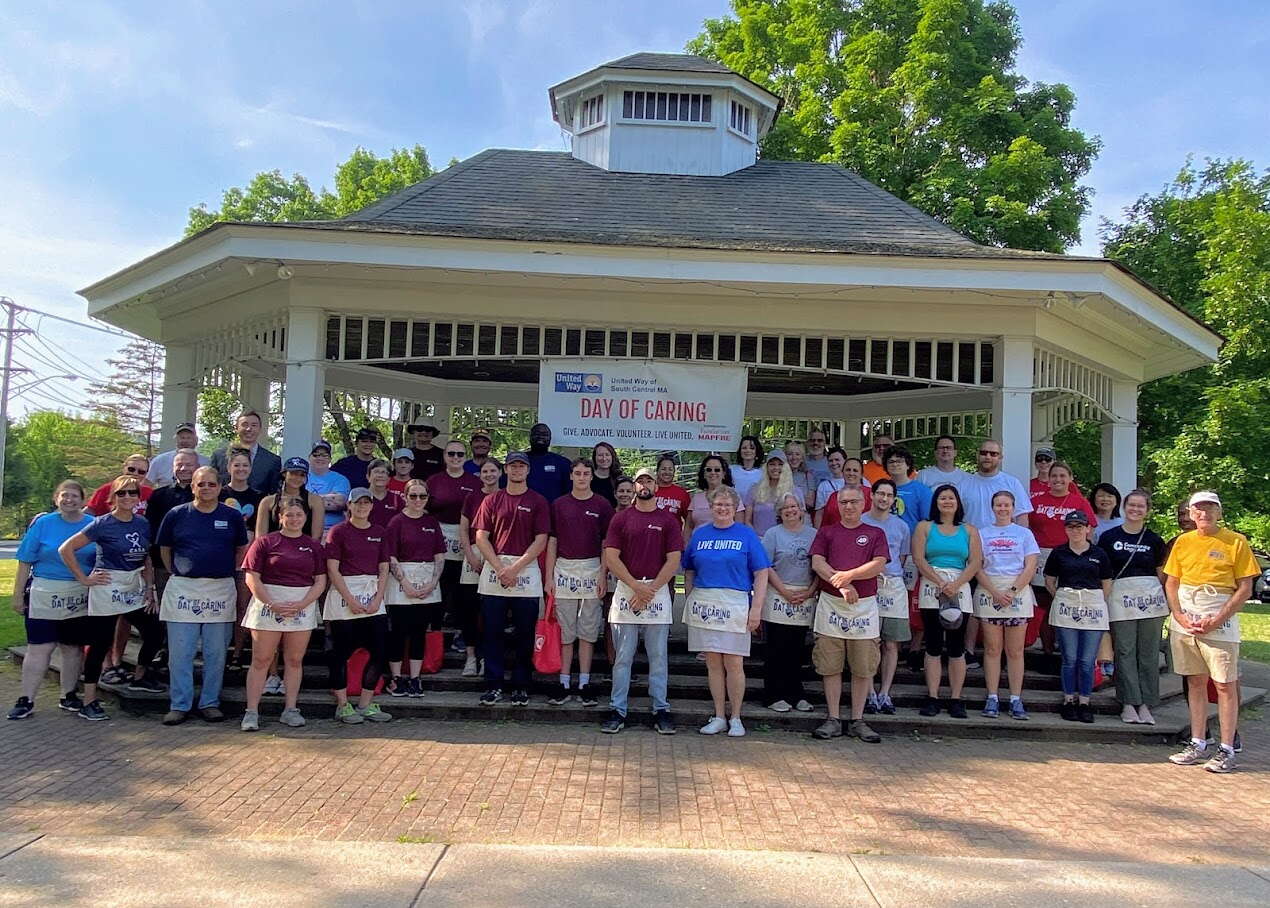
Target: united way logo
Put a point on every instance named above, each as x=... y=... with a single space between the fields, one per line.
x=580 y=382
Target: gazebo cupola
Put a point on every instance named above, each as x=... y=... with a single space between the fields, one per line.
x=664 y=113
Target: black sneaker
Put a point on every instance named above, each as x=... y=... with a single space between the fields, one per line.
x=616 y=722
x=146 y=684
x=930 y=708
x=23 y=708
x=93 y=712
x=416 y=688
x=957 y=709
x=587 y=695
x=662 y=723
x=71 y=703
x=972 y=661
x=490 y=697
x=1068 y=711
x=400 y=687
x=520 y=698
x=1238 y=744
x=560 y=697
x=1085 y=713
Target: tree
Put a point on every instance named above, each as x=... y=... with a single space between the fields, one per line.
x=217 y=409
x=129 y=397
x=920 y=97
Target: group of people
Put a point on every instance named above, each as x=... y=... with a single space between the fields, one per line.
x=866 y=555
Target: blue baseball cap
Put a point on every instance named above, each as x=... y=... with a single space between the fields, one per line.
x=295 y=463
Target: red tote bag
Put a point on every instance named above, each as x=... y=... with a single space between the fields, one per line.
x=356 y=666
x=433 y=652
x=547 y=641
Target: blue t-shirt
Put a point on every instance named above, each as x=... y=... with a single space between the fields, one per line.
x=325 y=484
x=121 y=545
x=549 y=475
x=39 y=546
x=725 y=559
x=203 y=545
x=912 y=503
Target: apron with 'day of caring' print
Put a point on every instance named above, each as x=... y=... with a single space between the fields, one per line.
x=1134 y=598
x=1200 y=602
x=528 y=581
x=124 y=593
x=717 y=609
x=261 y=618
x=200 y=600
x=453 y=551
x=835 y=617
x=56 y=600
x=1038 y=579
x=929 y=595
x=655 y=612
x=778 y=610
x=1084 y=610
x=892 y=597
x=577 y=578
x=1021 y=607
x=363 y=588
x=418 y=573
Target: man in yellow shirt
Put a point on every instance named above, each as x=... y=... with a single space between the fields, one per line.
x=1209 y=575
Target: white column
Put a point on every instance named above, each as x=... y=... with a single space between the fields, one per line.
x=1120 y=438
x=306 y=380
x=1012 y=405
x=442 y=421
x=255 y=395
x=180 y=393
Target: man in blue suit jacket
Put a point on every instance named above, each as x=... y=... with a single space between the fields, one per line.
x=266 y=466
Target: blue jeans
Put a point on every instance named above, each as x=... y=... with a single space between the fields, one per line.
x=524 y=611
x=183 y=643
x=1079 y=649
x=625 y=640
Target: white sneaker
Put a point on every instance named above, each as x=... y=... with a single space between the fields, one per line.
x=803 y=706
x=735 y=728
x=1144 y=715
x=469 y=667
x=1129 y=715
x=780 y=706
x=714 y=726
x=273 y=685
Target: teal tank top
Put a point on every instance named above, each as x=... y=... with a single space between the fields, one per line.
x=948 y=551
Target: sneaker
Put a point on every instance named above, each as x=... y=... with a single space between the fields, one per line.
x=957 y=709
x=469 y=667
x=830 y=728
x=520 y=698
x=400 y=687
x=560 y=697
x=416 y=688
x=930 y=707
x=175 y=716
x=662 y=723
x=780 y=706
x=1222 y=761
x=147 y=684
x=1144 y=715
x=871 y=705
x=71 y=703
x=714 y=726
x=273 y=685
x=292 y=718
x=116 y=674
x=885 y=706
x=972 y=661
x=1129 y=715
x=251 y=721
x=992 y=708
x=586 y=694
x=1238 y=744
x=490 y=697
x=1085 y=713
x=803 y=706
x=23 y=708
x=348 y=715
x=93 y=712
x=1067 y=712
x=458 y=645
x=857 y=728
x=613 y=724
x=1190 y=755
x=1017 y=711
x=735 y=728
x=373 y=713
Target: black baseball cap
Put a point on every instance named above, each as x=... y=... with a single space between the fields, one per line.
x=367 y=432
x=1076 y=519
x=185 y=427
x=320 y=445
x=295 y=463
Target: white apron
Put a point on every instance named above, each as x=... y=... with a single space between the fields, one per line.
x=55 y=600
x=528 y=581
x=417 y=572
x=655 y=612
x=892 y=597
x=124 y=593
x=1022 y=606
x=260 y=618
x=910 y=574
x=1084 y=610
x=717 y=609
x=472 y=575
x=929 y=595
x=778 y=610
x=1133 y=598
x=1038 y=579
x=577 y=578
x=200 y=600
x=835 y=617
x=453 y=551
x=1200 y=601
x=363 y=587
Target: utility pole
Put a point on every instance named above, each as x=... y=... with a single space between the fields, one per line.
x=10 y=332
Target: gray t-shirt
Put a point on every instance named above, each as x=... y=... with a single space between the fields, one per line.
x=790 y=554
x=819 y=467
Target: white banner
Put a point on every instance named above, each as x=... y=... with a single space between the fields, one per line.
x=641 y=404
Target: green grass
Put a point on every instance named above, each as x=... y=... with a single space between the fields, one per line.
x=1254 y=628
x=11 y=630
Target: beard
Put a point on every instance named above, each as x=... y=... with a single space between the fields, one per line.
x=644 y=494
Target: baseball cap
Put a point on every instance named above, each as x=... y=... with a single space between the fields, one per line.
x=1045 y=452
x=644 y=471
x=1076 y=519
x=776 y=454
x=481 y=433
x=185 y=427
x=403 y=452
x=320 y=445
x=516 y=457
x=1204 y=498
x=358 y=495
x=367 y=432
x=296 y=463
x=950 y=613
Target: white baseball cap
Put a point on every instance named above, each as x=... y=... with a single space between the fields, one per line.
x=1204 y=498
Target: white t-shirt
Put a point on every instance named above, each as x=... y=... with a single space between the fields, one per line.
x=1006 y=548
x=935 y=477
x=827 y=488
x=743 y=480
x=160 y=473
x=976 y=496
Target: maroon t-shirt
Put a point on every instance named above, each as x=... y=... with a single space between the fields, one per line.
x=471 y=505
x=644 y=538
x=447 y=495
x=359 y=552
x=513 y=520
x=284 y=561
x=385 y=509
x=579 y=526
x=415 y=538
x=845 y=549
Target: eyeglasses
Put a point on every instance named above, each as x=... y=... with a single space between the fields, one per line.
x=207 y=485
x=417 y=495
x=454 y=453
x=713 y=470
x=131 y=492
x=135 y=471
x=983 y=453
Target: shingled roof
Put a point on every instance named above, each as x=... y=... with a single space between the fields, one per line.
x=688 y=63
x=779 y=206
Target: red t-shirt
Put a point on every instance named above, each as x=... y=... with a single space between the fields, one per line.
x=513 y=521
x=1048 y=512
x=414 y=538
x=579 y=526
x=644 y=538
x=447 y=494
x=385 y=509
x=284 y=561
x=846 y=548
x=1040 y=487
x=833 y=515
x=675 y=499
x=100 y=502
x=398 y=485
x=358 y=551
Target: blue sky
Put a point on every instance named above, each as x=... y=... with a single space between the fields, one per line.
x=117 y=117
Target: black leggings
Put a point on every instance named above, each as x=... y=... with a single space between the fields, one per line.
x=468 y=614
x=451 y=571
x=101 y=637
x=783 y=667
x=350 y=635
x=409 y=624
x=153 y=634
x=938 y=639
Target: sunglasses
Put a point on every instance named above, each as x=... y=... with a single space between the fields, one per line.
x=207 y=485
x=135 y=471
x=983 y=453
x=132 y=493
x=417 y=495
x=454 y=453
x=713 y=470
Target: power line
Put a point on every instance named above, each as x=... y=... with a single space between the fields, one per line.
x=51 y=348
x=70 y=321
x=49 y=360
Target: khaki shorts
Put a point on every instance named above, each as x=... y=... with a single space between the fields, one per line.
x=896 y=630
x=831 y=654
x=1219 y=659
x=579 y=618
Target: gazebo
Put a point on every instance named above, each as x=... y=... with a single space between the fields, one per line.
x=661 y=237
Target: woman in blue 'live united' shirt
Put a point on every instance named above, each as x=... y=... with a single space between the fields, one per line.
x=725 y=580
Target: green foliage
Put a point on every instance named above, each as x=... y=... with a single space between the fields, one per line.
x=921 y=97
x=131 y=395
x=216 y=412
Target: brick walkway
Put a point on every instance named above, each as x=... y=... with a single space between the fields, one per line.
x=544 y=784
